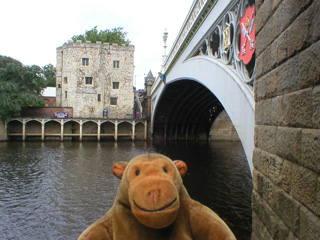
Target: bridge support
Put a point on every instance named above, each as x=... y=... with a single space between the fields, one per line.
x=42 y=130
x=23 y=130
x=133 y=130
x=61 y=129
x=80 y=125
x=116 y=131
x=99 y=130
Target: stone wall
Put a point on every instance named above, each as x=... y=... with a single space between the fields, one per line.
x=90 y=98
x=222 y=129
x=286 y=157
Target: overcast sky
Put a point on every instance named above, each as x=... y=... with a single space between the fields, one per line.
x=32 y=30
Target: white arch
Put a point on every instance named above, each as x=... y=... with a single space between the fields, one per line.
x=235 y=96
x=52 y=120
x=124 y=121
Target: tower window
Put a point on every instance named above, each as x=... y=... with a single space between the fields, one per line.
x=115 y=85
x=85 y=61
x=88 y=80
x=66 y=94
x=116 y=64
x=113 y=101
x=65 y=80
x=99 y=97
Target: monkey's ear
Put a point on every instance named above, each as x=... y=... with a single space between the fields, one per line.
x=118 y=169
x=182 y=167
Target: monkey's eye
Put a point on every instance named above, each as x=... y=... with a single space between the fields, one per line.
x=137 y=172
x=165 y=169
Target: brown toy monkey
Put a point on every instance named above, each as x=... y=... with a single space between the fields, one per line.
x=152 y=204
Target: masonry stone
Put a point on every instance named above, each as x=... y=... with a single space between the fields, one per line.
x=310 y=149
x=309 y=225
x=295 y=38
x=309 y=70
x=286 y=175
x=300 y=108
x=276 y=228
x=279 y=81
x=289 y=143
x=263 y=232
x=94 y=78
x=266 y=9
x=222 y=129
x=258 y=4
x=297 y=73
x=316 y=107
x=305 y=187
x=280 y=20
x=266 y=139
x=272 y=111
x=289 y=212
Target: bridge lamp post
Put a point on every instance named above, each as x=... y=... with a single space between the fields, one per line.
x=164 y=56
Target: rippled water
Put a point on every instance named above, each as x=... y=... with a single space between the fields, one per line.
x=54 y=190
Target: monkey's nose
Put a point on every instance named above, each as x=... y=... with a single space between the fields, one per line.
x=154 y=195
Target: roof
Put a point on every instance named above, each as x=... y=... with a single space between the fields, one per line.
x=150 y=75
x=49 y=92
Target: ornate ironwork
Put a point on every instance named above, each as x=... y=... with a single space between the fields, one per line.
x=223 y=42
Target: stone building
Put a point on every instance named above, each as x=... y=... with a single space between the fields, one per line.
x=148 y=82
x=143 y=98
x=96 y=79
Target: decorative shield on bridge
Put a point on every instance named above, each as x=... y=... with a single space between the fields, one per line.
x=248 y=38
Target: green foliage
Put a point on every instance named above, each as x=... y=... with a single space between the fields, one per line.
x=20 y=87
x=115 y=35
x=49 y=74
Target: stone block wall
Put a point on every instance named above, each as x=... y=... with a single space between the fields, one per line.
x=90 y=98
x=286 y=157
x=223 y=129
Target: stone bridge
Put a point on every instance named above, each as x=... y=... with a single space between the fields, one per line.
x=273 y=102
x=204 y=76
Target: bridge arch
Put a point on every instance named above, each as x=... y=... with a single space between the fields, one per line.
x=219 y=88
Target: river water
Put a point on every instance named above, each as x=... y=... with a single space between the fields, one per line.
x=54 y=190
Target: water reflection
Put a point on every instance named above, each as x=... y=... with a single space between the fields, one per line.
x=54 y=190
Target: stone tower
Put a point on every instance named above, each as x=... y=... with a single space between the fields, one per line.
x=96 y=79
x=148 y=82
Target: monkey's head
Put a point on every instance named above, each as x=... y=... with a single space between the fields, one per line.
x=150 y=186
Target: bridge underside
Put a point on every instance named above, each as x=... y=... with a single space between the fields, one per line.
x=186 y=111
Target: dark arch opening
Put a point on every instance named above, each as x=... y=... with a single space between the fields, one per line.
x=71 y=130
x=15 y=130
x=52 y=130
x=89 y=131
x=185 y=111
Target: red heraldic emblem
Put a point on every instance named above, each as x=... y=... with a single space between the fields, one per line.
x=248 y=38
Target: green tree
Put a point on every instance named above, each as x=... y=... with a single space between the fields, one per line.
x=115 y=35
x=20 y=87
x=49 y=73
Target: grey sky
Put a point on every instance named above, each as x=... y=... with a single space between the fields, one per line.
x=32 y=30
